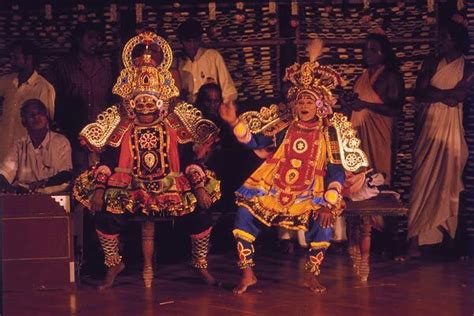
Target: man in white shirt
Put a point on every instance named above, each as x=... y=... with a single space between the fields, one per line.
x=201 y=65
x=39 y=160
x=15 y=88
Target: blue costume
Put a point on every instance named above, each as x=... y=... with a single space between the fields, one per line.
x=304 y=172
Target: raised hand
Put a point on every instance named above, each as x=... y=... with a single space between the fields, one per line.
x=228 y=113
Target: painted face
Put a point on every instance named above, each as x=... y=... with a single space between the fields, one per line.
x=306 y=108
x=212 y=101
x=191 y=46
x=89 y=42
x=148 y=109
x=34 y=118
x=373 y=53
x=18 y=59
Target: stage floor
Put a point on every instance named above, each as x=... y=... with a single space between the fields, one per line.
x=414 y=288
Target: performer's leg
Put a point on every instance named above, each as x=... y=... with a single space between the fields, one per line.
x=319 y=241
x=199 y=226
x=108 y=227
x=246 y=230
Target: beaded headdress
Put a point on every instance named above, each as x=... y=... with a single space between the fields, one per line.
x=144 y=75
x=314 y=81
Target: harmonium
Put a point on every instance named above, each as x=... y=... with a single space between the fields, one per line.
x=36 y=240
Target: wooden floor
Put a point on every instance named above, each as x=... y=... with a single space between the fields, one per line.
x=414 y=288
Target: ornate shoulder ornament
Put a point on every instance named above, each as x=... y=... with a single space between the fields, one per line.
x=96 y=135
x=352 y=157
x=269 y=120
x=190 y=125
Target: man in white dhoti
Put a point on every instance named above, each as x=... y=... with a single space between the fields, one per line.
x=440 y=151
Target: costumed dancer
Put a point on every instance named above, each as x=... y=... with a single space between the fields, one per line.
x=299 y=185
x=142 y=168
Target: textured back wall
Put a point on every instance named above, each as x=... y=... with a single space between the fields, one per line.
x=254 y=50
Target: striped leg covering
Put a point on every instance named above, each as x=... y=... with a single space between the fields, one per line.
x=200 y=249
x=110 y=245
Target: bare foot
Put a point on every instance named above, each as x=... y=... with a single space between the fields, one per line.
x=248 y=279
x=207 y=277
x=112 y=272
x=312 y=282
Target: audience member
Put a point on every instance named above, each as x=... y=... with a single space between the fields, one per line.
x=22 y=84
x=440 y=151
x=200 y=65
x=83 y=81
x=224 y=151
x=40 y=161
x=376 y=102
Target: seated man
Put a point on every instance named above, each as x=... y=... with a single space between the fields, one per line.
x=39 y=162
x=143 y=168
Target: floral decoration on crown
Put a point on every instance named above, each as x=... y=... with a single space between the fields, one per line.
x=315 y=81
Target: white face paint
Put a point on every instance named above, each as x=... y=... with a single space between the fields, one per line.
x=305 y=108
x=148 y=108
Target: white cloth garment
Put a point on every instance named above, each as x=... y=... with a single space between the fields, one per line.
x=208 y=66
x=25 y=164
x=36 y=87
x=439 y=157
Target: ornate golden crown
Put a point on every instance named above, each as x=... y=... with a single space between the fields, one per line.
x=314 y=79
x=144 y=75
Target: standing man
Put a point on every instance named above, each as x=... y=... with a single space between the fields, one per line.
x=22 y=84
x=200 y=65
x=440 y=152
x=377 y=101
x=83 y=80
x=143 y=169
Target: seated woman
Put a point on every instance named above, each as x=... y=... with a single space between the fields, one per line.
x=39 y=162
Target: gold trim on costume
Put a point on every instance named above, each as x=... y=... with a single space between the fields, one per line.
x=269 y=120
x=196 y=127
x=352 y=157
x=148 y=38
x=319 y=244
x=97 y=133
x=243 y=235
